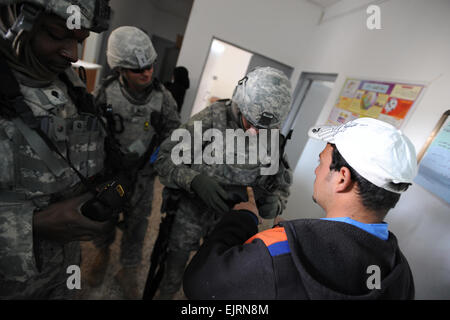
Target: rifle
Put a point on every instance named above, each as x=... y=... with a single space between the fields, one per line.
x=274 y=180
x=283 y=147
x=160 y=249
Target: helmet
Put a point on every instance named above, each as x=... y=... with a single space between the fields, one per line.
x=131 y=48
x=95 y=14
x=264 y=97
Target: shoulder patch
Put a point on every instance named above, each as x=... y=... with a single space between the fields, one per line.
x=275 y=240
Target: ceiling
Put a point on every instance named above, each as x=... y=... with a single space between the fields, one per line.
x=182 y=8
x=179 y=8
x=324 y=3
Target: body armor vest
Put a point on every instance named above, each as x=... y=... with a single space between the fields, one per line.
x=136 y=115
x=77 y=136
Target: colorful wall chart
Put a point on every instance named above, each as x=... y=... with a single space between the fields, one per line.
x=388 y=101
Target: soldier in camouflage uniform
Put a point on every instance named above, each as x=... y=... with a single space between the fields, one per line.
x=142 y=110
x=260 y=101
x=40 y=192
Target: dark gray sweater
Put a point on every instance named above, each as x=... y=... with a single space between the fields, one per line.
x=302 y=259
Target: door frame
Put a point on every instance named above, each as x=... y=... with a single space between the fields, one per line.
x=302 y=88
x=236 y=46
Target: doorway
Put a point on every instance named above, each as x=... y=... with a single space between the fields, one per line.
x=225 y=65
x=309 y=98
x=168 y=53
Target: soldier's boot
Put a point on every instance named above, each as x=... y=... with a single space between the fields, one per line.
x=127 y=277
x=173 y=274
x=98 y=269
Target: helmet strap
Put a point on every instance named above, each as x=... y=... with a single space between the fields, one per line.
x=241 y=122
x=237 y=114
x=266 y=119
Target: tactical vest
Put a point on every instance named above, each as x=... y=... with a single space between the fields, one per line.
x=138 y=132
x=238 y=175
x=78 y=136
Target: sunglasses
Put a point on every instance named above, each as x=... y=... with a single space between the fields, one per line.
x=141 y=70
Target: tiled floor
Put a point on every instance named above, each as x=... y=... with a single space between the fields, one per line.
x=110 y=290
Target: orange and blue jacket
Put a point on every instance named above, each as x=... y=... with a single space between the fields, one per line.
x=300 y=259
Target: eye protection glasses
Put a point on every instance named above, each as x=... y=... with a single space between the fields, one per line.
x=142 y=70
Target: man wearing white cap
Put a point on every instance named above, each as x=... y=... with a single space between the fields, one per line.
x=349 y=254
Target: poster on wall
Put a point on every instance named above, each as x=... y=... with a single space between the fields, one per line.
x=434 y=160
x=388 y=101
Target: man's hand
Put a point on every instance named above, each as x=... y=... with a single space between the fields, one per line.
x=211 y=193
x=250 y=205
x=63 y=222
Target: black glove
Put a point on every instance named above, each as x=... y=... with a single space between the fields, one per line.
x=211 y=193
x=235 y=197
x=270 y=207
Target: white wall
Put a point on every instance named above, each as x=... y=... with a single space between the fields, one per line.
x=92 y=47
x=413 y=45
x=276 y=29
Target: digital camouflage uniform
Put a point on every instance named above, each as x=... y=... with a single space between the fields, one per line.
x=193 y=219
x=31 y=268
x=24 y=271
x=138 y=131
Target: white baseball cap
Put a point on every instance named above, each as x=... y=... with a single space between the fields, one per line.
x=378 y=151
